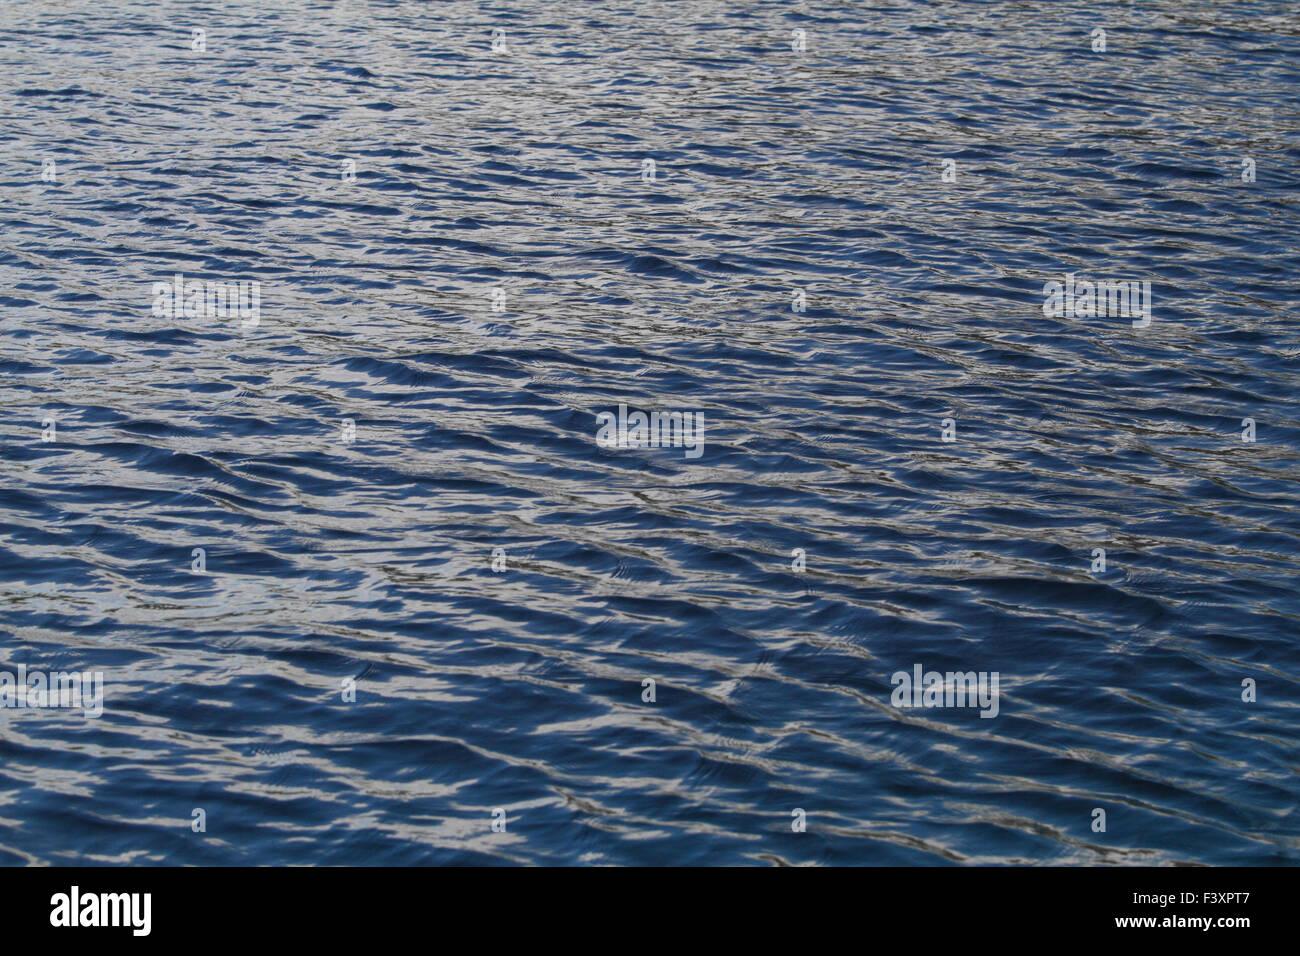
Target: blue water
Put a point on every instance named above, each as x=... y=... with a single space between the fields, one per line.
x=475 y=420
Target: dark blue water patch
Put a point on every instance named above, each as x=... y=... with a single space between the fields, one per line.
x=481 y=685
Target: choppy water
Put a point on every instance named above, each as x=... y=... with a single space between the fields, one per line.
x=775 y=171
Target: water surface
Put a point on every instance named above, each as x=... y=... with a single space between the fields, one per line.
x=332 y=564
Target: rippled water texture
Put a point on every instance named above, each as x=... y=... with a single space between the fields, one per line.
x=333 y=564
